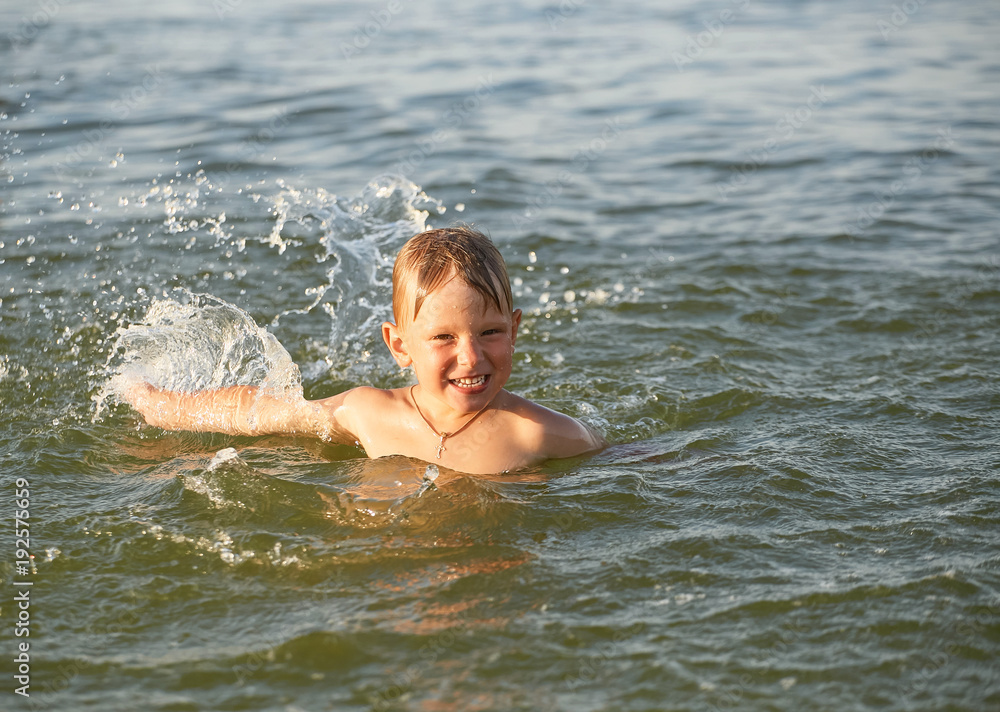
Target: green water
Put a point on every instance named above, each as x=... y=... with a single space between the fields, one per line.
x=787 y=331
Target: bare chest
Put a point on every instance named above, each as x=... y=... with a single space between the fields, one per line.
x=486 y=447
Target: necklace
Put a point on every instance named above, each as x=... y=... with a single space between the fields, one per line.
x=443 y=436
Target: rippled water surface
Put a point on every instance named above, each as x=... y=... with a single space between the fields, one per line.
x=755 y=243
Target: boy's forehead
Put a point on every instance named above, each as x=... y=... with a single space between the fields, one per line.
x=453 y=296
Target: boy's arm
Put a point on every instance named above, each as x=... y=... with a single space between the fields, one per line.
x=570 y=438
x=238 y=410
x=554 y=435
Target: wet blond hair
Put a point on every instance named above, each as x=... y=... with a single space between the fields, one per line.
x=431 y=258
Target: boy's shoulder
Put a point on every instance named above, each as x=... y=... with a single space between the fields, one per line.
x=368 y=402
x=353 y=408
x=554 y=434
x=369 y=394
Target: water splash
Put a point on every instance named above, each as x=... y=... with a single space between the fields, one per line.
x=388 y=211
x=194 y=342
x=223 y=456
x=361 y=236
x=199 y=342
x=430 y=476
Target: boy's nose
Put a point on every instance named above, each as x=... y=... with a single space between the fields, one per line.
x=469 y=352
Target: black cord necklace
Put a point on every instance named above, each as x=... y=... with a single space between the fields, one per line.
x=443 y=436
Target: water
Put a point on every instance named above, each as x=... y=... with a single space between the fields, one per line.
x=755 y=244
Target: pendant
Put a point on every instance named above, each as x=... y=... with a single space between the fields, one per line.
x=441 y=445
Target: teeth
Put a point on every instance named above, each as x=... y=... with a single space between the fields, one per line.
x=470 y=381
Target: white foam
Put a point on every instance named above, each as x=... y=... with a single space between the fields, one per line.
x=223 y=456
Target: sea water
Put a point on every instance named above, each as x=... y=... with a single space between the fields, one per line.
x=755 y=245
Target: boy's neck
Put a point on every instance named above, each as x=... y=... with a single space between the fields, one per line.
x=443 y=435
x=440 y=416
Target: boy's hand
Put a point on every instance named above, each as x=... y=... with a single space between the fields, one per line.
x=157 y=407
x=136 y=394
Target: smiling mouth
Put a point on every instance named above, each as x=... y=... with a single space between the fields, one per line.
x=470 y=383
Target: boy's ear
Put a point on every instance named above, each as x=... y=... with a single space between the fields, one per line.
x=515 y=319
x=393 y=338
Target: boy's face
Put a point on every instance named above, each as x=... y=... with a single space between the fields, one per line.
x=461 y=353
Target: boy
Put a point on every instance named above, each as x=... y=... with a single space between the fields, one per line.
x=456 y=326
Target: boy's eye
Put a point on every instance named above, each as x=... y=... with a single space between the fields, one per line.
x=490 y=332
x=441 y=337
